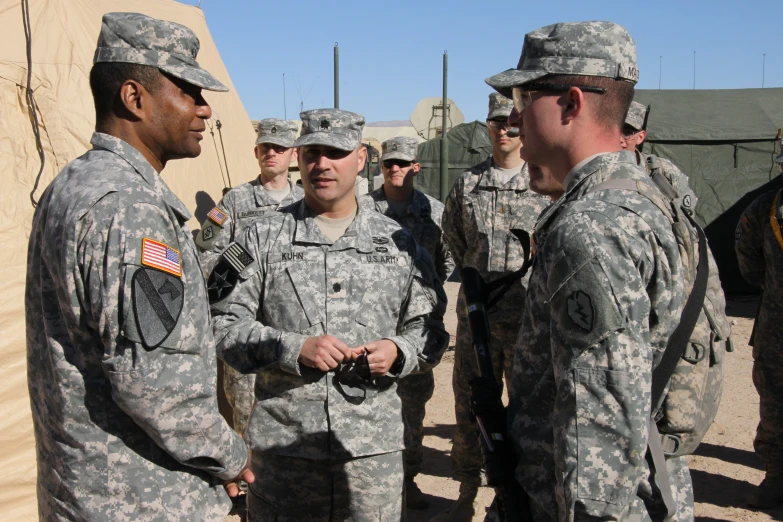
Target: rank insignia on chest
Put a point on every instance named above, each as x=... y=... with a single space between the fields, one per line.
x=159 y=255
x=224 y=276
x=217 y=215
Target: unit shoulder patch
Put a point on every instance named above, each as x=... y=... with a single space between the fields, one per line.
x=157 y=303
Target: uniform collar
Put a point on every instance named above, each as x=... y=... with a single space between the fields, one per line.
x=588 y=166
x=489 y=180
x=263 y=198
x=358 y=235
x=414 y=207
x=140 y=164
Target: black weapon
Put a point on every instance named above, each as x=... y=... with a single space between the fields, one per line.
x=486 y=403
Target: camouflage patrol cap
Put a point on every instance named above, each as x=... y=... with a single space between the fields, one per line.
x=583 y=48
x=636 y=114
x=277 y=132
x=401 y=147
x=140 y=39
x=331 y=127
x=499 y=106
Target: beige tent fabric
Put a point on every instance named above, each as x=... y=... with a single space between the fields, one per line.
x=63 y=42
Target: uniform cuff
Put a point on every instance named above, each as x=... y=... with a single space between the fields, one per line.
x=289 y=350
x=410 y=353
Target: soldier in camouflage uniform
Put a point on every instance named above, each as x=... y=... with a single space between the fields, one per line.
x=421 y=215
x=330 y=303
x=121 y=358
x=632 y=138
x=242 y=205
x=485 y=204
x=605 y=291
x=759 y=246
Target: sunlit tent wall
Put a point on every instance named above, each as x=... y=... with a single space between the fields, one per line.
x=64 y=34
x=468 y=145
x=726 y=142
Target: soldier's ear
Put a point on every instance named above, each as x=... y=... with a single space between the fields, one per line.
x=362 y=156
x=133 y=98
x=416 y=168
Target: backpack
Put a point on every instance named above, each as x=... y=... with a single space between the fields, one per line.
x=692 y=364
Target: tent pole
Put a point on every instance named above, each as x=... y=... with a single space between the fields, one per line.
x=336 y=76
x=444 y=143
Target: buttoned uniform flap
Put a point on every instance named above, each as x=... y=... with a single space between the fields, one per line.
x=305 y=291
x=378 y=292
x=582 y=299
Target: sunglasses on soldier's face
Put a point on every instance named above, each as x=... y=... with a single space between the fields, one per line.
x=272 y=146
x=522 y=97
x=389 y=163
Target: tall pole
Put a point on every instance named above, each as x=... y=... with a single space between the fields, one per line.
x=285 y=107
x=694 y=70
x=336 y=76
x=660 y=70
x=763 y=67
x=444 y=143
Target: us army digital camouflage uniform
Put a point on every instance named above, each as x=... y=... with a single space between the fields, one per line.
x=126 y=423
x=580 y=386
x=422 y=218
x=479 y=215
x=334 y=438
x=241 y=206
x=760 y=256
x=605 y=294
x=120 y=353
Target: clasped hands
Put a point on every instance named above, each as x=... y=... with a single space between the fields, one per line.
x=327 y=352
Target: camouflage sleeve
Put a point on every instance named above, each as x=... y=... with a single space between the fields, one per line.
x=453 y=227
x=421 y=335
x=599 y=279
x=243 y=342
x=749 y=240
x=680 y=183
x=444 y=262
x=215 y=235
x=166 y=388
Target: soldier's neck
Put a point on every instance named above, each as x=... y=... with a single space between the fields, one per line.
x=274 y=181
x=403 y=193
x=507 y=160
x=125 y=131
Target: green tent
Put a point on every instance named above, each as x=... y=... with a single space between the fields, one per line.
x=468 y=145
x=726 y=142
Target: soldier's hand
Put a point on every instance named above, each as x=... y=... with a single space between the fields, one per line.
x=232 y=486
x=324 y=352
x=381 y=356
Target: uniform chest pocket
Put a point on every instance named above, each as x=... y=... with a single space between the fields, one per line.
x=479 y=208
x=296 y=296
x=381 y=301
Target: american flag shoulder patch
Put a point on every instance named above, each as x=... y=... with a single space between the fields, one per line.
x=217 y=215
x=159 y=255
x=237 y=257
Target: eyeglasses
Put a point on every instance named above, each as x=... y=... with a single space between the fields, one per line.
x=498 y=125
x=522 y=97
x=389 y=163
x=272 y=146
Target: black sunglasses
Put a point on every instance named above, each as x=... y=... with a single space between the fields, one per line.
x=389 y=163
x=277 y=148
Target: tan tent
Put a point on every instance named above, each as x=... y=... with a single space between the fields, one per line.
x=62 y=44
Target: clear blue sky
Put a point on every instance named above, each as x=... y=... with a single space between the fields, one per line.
x=391 y=53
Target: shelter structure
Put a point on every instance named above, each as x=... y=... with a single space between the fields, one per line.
x=725 y=141
x=62 y=37
x=469 y=144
